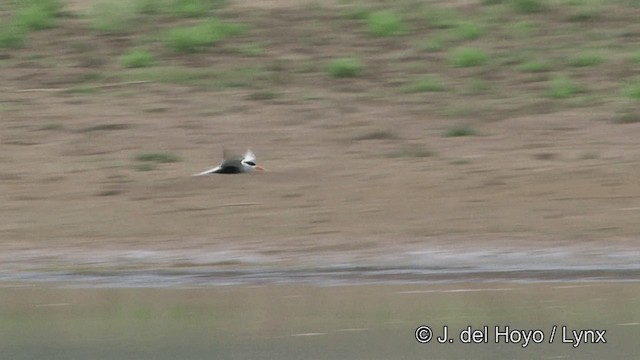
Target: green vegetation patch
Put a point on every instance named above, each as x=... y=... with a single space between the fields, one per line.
x=527 y=6
x=36 y=17
x=12 y=35
x=425 y=84
x=196 y=38
x=377 y=135
x=137 y=58
x=627 y=118
x=386 y=23
x=191 y=8
x=586 y=60
x=562 y=87
x=467 y=57
x=458 y=131
x=158 y=157
x=633 y=90
x=468 y=30
x=345 y=67
x=106 y=127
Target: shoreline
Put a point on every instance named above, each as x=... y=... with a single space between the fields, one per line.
x=218 y=266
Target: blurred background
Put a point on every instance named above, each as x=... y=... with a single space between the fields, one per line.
x=415 y=137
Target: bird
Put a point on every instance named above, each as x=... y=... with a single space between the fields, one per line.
x=234 y=164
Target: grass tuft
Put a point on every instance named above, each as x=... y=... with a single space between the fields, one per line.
x=467 y=57
x=36 y=17
x=627 y=118
x=585 y=60
x=633 y=90
x=106 y=127
x=458 y=131
x=137 y=58
x=468 y=30
x=425 y=84
x=562 y=87
x=376 y=135
x=386 y=23
x=51 y=6
x=12 y=35
x=191 y=39
x=191 y=8
x=345 y=67
x=158 y=157
x=527 y=6
x=146 y=166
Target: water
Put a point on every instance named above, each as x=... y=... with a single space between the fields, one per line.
x=58 y=321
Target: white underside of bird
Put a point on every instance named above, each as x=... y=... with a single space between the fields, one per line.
x=234 y=164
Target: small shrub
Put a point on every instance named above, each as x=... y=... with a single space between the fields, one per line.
x=345 y=67
x=633 y=90
x=458 y=131
x=12 y=35
x=527 y=6
x=146 y=166
x=425 y=84
x=137 y=58
x=467 y=57
x=377 y=135
x=158 y=157
x=191 y=8
x=35 y=17
x=386 y=23
x=106 y=127
x=635 y=57
x=468 y=30
x=562 y=87
x=627 y=118
x=534 y=67
x=590 y=13
x=522 y=29
x=50 y=6
x=585 y=60
x=195 y=38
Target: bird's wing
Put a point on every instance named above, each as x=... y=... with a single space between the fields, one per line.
x=210 y=171
x=231 y=159
x=250 y=156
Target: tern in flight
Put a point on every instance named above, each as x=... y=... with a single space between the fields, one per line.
x=234 y=164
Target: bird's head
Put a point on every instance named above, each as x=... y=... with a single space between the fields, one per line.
x=249 y=162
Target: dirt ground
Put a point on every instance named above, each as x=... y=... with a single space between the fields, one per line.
x=334 y=190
